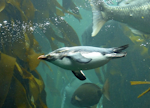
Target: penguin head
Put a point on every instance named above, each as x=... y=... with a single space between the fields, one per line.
x=48 y=57
x=56 y=54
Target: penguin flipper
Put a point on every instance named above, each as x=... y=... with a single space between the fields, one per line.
x=79 y=58
x=79 y=74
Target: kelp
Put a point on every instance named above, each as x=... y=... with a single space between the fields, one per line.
x=12 y=88
x=144 y=93
x=68 y=32
x=16 y=89
x=7 y=64
x=32 y=59
x=2 y=5
x=66 y=40
x=141 y=82
x=28 y=9
x=53 y=13
x=72 y=6
x=140 y=41
x=69 y=4
x=18 y=95
x=21 y=85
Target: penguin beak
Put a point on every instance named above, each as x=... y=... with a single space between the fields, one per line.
x=42 y=57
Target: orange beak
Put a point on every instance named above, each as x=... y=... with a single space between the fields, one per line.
x=42 y=57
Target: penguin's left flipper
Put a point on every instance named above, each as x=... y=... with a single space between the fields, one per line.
x=79 y=74
x=79 y=58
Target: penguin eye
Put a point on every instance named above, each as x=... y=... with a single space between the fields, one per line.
x=49 y=57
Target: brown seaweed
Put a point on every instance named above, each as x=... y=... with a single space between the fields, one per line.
x=21 y=85
x=141 y=82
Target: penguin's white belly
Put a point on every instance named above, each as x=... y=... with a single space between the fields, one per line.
x=97 y=60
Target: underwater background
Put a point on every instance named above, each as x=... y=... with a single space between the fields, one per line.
x=30 y=28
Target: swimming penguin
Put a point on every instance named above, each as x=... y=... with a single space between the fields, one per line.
x=80 y=58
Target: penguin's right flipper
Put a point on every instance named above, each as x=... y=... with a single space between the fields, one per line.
x=79 y=74
x=79 y=58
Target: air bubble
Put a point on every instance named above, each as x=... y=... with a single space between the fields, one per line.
x=47 y=23
x=61 y=18
x=5 y=22
x=31 y=29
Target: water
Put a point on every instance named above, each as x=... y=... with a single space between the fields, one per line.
x=33 y=27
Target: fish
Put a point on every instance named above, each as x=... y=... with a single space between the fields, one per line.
x=68 y=91
x=89 y=94
x=130 y=2
x=133 y=13
x=80 y=58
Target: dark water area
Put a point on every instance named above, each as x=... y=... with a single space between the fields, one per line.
x=30 y=28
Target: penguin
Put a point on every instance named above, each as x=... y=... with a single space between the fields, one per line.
x=80 y=58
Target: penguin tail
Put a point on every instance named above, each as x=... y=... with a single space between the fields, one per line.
x=117 y=52
x=119 y=49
